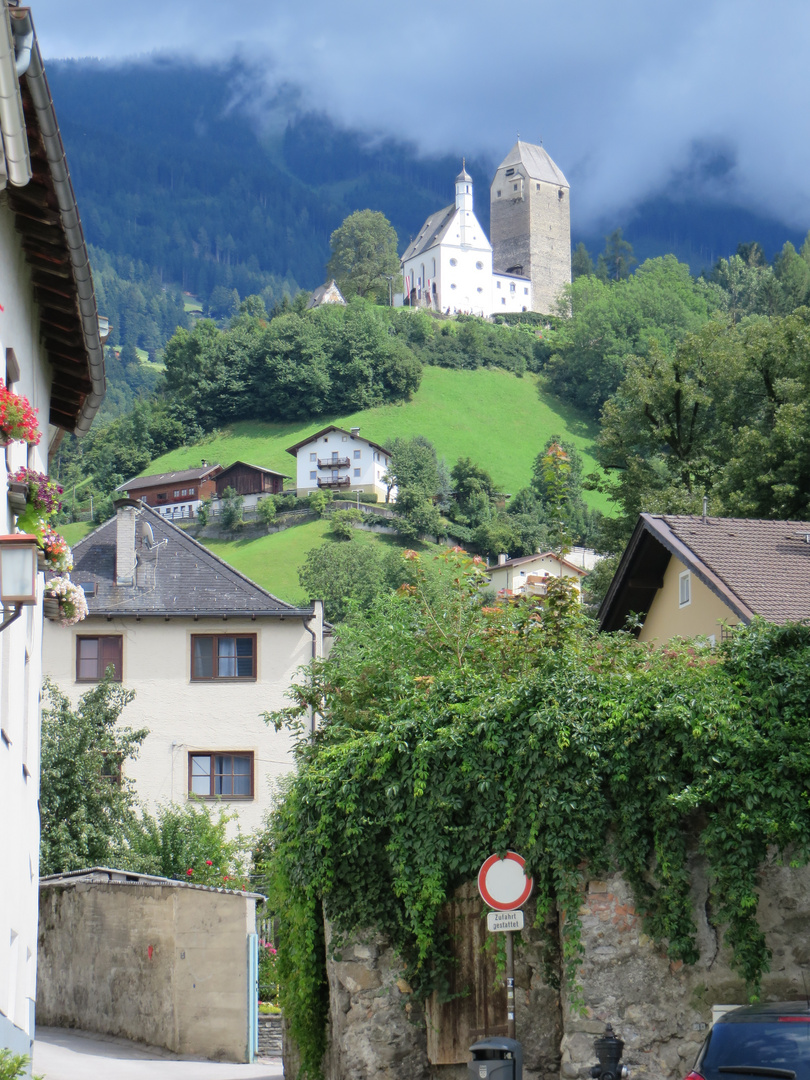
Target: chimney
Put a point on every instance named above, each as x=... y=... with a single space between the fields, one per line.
x=355 y=430
x=126 y=516
x=502 y=558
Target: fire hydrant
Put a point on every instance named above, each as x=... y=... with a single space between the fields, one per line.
x=609 y=1051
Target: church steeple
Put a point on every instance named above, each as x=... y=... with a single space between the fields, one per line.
x=464 y=188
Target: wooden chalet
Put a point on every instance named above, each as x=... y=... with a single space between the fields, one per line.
x=248 y=479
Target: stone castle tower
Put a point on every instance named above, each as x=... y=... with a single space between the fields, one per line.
x=530 y=223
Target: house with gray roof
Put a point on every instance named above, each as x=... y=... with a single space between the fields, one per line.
x=206 y=650
x=174 y=494
x=687 y=576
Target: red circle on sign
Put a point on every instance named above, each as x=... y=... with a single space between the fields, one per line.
x=518 y=897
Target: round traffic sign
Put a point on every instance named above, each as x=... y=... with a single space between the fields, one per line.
x=503 y=883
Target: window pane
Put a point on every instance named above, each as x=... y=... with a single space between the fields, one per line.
x=226 y=653
x=88 y=658
x=110 y=655
x=223 y=774
x=244 y=657
x=201 y=774
x=203 y=653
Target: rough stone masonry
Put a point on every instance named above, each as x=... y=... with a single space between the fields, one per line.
x=660 y=1009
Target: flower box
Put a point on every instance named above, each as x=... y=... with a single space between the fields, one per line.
x=18 y=421
x=50 y=607
x=17 y=496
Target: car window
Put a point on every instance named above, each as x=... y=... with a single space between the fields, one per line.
x=782 y=1046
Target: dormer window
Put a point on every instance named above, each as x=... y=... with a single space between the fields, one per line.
x=510 y=172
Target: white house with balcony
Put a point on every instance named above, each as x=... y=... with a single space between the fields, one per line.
x=448 y=267
x=336 y=460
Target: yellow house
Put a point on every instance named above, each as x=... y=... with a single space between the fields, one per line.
x=688 y=576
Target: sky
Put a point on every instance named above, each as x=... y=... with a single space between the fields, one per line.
x=630 y=99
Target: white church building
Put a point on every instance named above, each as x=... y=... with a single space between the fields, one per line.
x=452 y=267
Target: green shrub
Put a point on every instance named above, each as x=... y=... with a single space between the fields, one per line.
x=344 y=522
x=230 y=516
x=13 y=1066
x=266 y=510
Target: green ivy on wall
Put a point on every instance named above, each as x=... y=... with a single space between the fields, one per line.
x=454 y=730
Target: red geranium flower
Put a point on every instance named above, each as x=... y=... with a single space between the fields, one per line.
x=190 y=872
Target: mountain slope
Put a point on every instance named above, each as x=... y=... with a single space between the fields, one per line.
x=499 y=420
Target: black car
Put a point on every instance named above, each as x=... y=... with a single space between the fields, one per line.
x=770 y=1040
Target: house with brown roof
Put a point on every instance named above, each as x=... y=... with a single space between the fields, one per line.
x=252 y=482
x=528 y=574
x=206 y=650
x=334 y=459
x=688 y=576
x=174 y=494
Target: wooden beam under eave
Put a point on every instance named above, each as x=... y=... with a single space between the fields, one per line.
x=46 y=265
x=56 y=301
x=648 y=584
x=58 y=342
x=43 y=280
x=72 y=380
x=63 y=355
x=38 y=215
x=52 y=235
x=37 y=196
x=49 y=256
x=62 y=419
x=59 y=321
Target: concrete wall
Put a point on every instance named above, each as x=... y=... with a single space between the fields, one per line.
x=662 y=1010
x=163 y=965
x=20 y=670
x=184 y=716
x=702 y=616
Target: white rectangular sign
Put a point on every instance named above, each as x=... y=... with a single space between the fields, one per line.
x=504 y=920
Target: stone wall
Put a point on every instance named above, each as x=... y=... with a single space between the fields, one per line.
x=270 y=1035
x=660 y=1009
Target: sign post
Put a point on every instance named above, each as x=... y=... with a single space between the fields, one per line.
x=504 y=886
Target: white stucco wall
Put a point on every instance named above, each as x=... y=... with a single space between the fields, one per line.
x=20 y=672
x=184 y=716
x=366 y=468
x=515 y=577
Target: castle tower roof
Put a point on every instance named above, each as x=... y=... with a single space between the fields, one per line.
x=536 y=162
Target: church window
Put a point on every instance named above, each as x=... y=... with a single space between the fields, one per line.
x=498 y=194
x=538 y=187
x=497 y=284
x=452 y=286
x=512 y=286
x=525 y=292
x=479 y=265
x=503 y=299
x=480 y=289
x=434 y=268
x=514 y=187
x=561 y=194
x=454 y=262
x=510 y=172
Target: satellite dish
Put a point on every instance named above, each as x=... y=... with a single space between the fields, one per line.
x=148 y=535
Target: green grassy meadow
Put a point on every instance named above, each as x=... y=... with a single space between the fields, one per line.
x=492 y=416
x=272 y=561
x=76 y=531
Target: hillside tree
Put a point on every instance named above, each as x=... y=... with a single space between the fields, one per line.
x=364 y=251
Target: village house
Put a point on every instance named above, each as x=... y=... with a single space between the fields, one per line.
x=252 y=482
x=688 y=576
x=326 y=294
x=528 y=574
x=337 y=460
x=174 y=494
x=206 y=650
x=51 y=353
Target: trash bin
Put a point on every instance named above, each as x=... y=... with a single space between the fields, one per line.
x=498 y=1058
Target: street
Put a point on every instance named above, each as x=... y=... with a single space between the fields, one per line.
x=64 y=1054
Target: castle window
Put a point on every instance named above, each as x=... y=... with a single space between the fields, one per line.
x=561 y=194
x=538 y=187
x=498 y=194
x=514 y=187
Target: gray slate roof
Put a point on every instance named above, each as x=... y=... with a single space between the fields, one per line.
x=536 y=162
x=326 y=294
x=175 y=576
x=756 y=567
x=139 y=483
x=431 y=233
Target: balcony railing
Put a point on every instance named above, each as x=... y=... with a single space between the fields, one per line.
x=334 y=481
x=333 y=463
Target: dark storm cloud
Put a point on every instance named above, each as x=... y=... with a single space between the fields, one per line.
x=629 y=98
